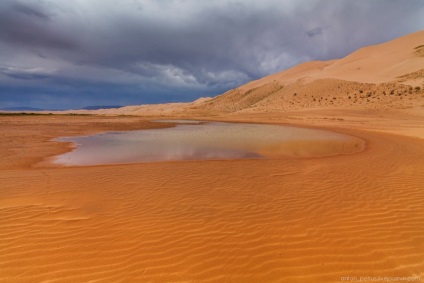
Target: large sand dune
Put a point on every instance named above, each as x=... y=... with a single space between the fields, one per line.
x=373 y=64
x=384 y=76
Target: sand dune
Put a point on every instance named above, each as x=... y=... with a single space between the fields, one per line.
x=384 y=76
x=373 y=64
x=148 y=110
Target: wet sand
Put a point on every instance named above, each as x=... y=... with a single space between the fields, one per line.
x=291 y=220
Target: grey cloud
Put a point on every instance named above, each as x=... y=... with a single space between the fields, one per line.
x=29 y=10
x=240 y=38
x=28 y=26
x=24 y=74
x=314 y=31
x=191 y=46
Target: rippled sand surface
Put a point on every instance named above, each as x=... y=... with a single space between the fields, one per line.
x=293 y=220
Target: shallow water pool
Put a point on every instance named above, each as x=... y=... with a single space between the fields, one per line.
x=212 y=140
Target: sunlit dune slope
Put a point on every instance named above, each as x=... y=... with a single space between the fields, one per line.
x=372 y=77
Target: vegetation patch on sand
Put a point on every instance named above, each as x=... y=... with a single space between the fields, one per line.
x=419 y=50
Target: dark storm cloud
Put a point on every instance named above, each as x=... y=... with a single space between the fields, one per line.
x=24 y=76
x=184 y=47
x=29 y=10
x=28 y=25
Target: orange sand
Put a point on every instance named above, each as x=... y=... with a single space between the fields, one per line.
x=292 y=220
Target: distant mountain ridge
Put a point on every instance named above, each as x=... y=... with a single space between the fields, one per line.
x=23 y=108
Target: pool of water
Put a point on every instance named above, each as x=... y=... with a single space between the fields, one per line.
x=179 y=121
x=212 y=140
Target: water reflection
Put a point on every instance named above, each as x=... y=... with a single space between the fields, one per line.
x=190 y=142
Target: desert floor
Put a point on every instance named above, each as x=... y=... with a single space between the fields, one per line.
x=277 y=220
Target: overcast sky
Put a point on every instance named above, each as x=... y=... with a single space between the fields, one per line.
x=74 y=53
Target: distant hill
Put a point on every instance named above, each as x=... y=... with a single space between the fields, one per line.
x=101 y=107
x=21 y=109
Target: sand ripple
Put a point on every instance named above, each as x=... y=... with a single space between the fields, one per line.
x=305 y=220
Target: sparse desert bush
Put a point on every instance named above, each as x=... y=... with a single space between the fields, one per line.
x=419 y=50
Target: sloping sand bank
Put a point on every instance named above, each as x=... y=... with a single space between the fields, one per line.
x=291 y=220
